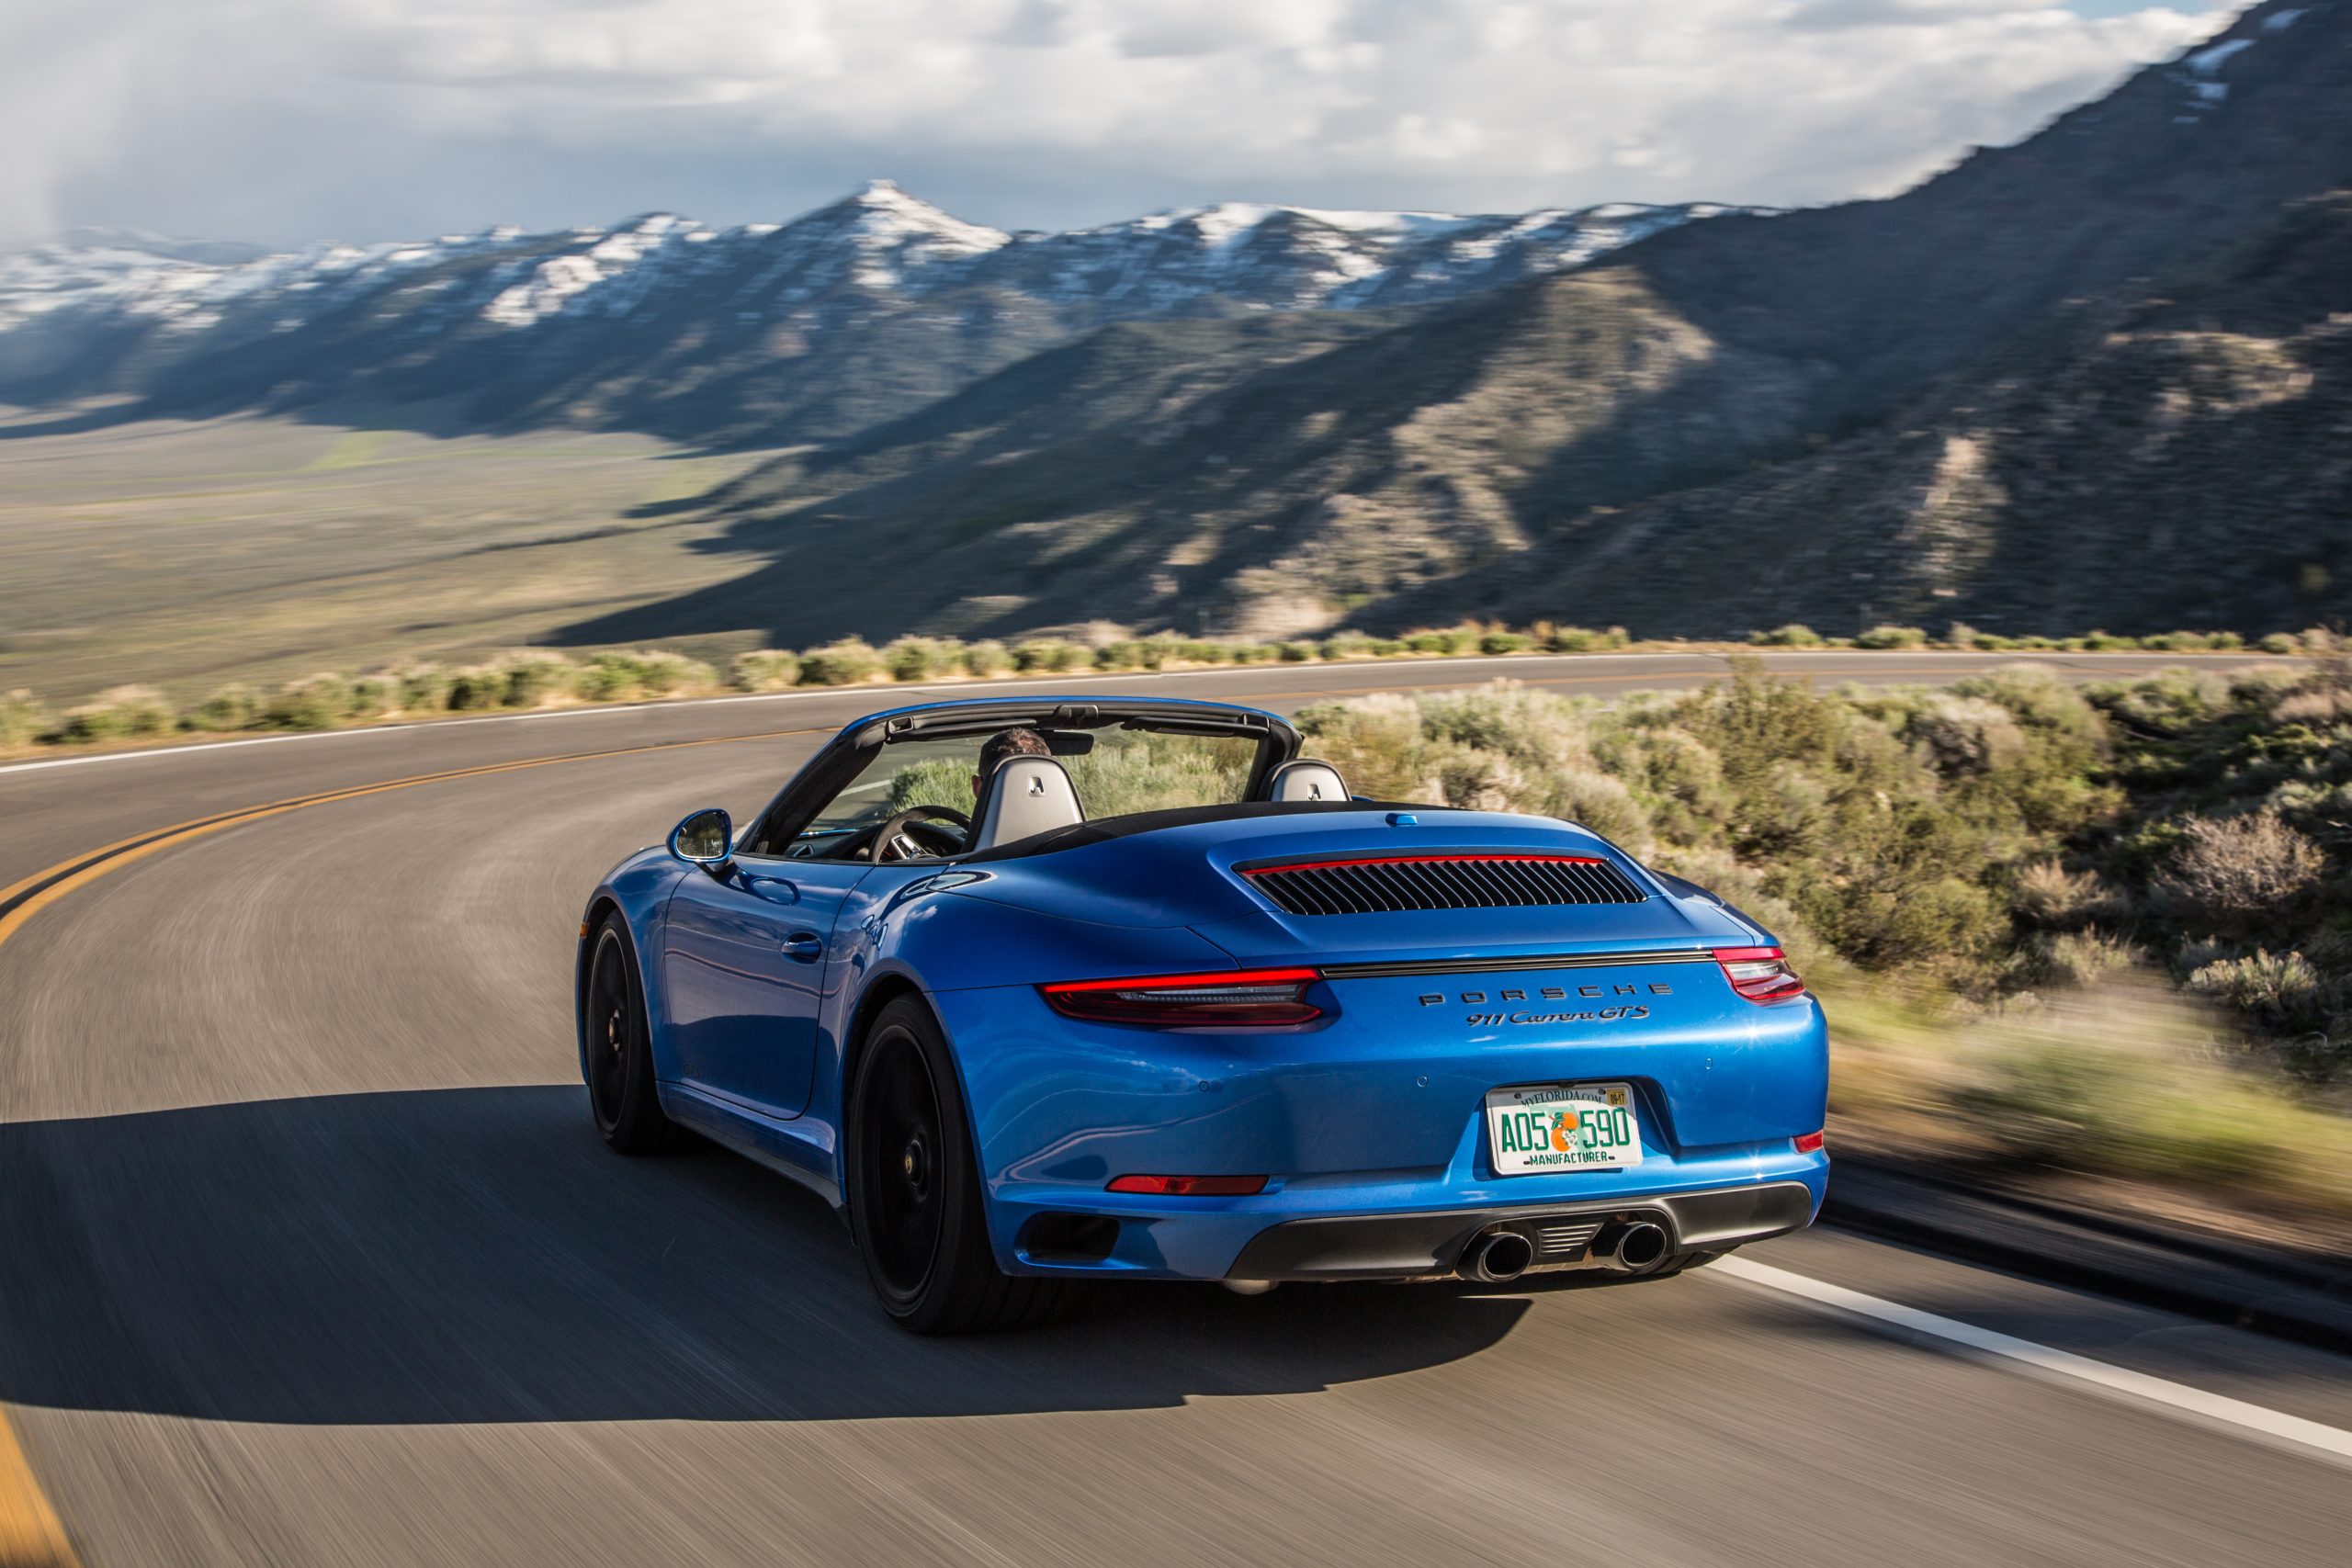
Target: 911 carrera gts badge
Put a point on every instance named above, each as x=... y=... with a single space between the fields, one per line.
x=1617 y=1013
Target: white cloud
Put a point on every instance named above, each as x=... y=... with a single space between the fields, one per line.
x=284 y=119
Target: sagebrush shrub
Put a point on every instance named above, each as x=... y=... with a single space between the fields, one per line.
x=2078 y=959
x=764 y=669
x=2284 y=991
x=1048 y=656
x=534 y=680
x=2236 y=872
x=316 y=701
x=607 y=678
x=23 y=719
x=424 y=688
x=920 y=657
x=373 y=696
x=119 y=712
x=235 y=706
x=2046 y=893
x=2325 y=705
x=1966 y=735
x=848 y=662
x=1794 y=635
x=666 y=674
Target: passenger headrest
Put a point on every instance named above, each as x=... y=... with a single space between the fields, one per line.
x=1304 y=780
x=1026 y=796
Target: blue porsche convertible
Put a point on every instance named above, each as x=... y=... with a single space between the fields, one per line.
x=1043 y=989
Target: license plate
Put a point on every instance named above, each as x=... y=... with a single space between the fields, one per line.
x=1571 y=1126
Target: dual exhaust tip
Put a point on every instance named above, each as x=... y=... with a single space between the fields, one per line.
x=1500 y=1256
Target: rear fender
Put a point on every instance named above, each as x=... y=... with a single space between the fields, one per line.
x=918 y=935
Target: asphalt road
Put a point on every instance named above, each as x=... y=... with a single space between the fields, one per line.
x=309 y=1255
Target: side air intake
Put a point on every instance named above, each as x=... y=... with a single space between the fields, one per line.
x=1392 y=883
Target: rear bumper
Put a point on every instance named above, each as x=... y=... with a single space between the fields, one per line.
x=1370 y=1131
x=1409 y=1229
x=1430 y=1245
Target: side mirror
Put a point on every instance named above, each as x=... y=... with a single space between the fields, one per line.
x=707 y=839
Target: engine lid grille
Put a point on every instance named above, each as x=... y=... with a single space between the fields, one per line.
x=1465 y=880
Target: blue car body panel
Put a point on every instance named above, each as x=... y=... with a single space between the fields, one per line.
x=1374 y=1110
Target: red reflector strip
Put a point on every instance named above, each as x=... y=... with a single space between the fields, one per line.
x=1415 y=860
x=1811 y=1143
x=1191 y=1186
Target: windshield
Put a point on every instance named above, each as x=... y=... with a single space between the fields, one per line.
x=1120 y=771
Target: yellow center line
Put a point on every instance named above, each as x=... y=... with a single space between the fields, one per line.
x=31 y=1535
x=107 y=858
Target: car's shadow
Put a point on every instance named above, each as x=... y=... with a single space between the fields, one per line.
x=475 y=1255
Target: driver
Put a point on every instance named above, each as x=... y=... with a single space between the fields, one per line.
x=1003 y=746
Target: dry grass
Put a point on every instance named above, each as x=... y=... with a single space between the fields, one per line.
x=2125 y=1078
x=195 y=554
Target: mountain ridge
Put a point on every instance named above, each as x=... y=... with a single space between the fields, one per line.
x=1508 y=452
x=858 y=311
x=1973 y=401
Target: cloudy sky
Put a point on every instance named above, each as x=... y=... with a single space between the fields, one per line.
x=290 y=121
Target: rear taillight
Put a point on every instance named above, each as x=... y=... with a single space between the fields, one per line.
x=1192 y=1186
x=1760 y=973
x=1809 y=1143
x=1226 y=999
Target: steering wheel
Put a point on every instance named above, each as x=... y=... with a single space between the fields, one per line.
x=890 y=843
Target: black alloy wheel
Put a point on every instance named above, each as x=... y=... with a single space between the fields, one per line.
x=914 y=1191
x=616 y=1056
x=898 y=1149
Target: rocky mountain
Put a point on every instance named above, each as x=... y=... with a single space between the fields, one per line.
x=2094 y=378
x=809 y=329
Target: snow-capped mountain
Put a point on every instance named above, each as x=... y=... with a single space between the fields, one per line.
x=878 y=239
x=664 y=303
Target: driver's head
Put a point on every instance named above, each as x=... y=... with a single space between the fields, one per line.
x=1020 y=742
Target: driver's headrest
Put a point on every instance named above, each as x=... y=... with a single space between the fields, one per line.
x=1304 y=780
x=1025 y=795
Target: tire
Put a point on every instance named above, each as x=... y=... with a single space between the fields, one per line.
x=914 y=1190
x=616 y=1054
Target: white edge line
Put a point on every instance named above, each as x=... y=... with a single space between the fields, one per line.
x=1077 y=681
x=2273 y=1425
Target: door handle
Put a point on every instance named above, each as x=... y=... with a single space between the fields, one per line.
x=807 y=946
